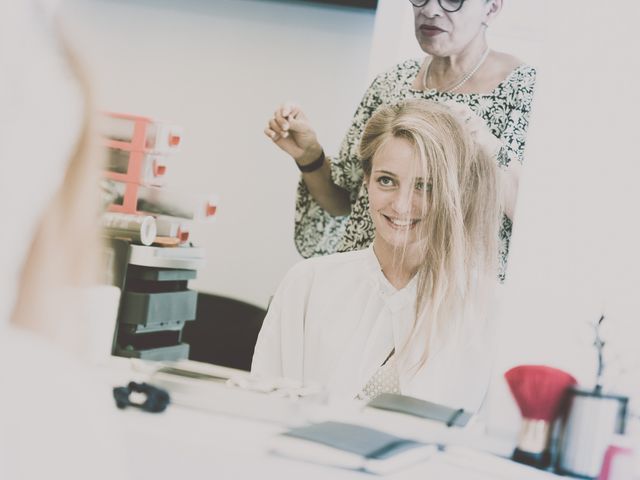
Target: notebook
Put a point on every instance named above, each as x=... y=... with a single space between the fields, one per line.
x=351 y=446
x=451 y=417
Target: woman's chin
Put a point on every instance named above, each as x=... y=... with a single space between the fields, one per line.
x=399 y=240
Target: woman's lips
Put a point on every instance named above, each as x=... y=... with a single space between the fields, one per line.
x=401 y=224
x=430 y=30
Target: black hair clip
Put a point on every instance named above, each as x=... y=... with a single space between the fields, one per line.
x=156 y=401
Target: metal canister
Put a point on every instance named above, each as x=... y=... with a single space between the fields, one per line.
x=593 y=418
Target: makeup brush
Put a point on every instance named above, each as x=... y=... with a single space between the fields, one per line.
x=539 y=392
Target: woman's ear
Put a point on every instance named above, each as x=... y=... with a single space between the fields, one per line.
x=493 y=8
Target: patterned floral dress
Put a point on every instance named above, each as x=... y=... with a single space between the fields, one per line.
x=506 y=111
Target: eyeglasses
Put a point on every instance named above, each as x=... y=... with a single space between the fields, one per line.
x=447 y=5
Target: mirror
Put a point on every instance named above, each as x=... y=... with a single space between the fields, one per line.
x=219 y=68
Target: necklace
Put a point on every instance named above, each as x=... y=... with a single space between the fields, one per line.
x=462 y=81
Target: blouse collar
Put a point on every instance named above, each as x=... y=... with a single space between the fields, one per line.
x=395 y=299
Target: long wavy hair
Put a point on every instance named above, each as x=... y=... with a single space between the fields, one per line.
x=459 y=235
x=64 y=254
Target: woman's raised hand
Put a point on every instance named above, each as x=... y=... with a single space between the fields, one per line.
x=477 y=127
x=509 y=174
x=289 y=129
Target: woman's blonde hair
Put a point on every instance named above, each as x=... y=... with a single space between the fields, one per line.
x=458 y=264
x=65 y=251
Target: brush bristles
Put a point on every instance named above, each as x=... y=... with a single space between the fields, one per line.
x=538 y=390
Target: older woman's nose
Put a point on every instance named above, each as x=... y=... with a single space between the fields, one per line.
x=431 y=9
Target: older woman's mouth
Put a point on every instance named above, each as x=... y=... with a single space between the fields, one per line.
x=431 y=30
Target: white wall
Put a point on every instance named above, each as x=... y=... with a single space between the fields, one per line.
x=219 y=68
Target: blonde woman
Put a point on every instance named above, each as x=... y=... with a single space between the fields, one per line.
x=407 y=314
x=57 y=417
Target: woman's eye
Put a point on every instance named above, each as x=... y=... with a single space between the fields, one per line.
x=422 y=186
x=385 y=181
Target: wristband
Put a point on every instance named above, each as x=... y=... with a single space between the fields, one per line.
x=313 y=166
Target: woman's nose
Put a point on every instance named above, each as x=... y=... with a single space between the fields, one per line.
x=431 y=9
x=402 y=202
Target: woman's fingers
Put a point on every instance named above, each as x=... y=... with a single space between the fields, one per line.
x=476 y=126
x=285 y=113
x=272 y=134
x=289 y=109
x=274 y=131
x=463 y=112
x=473 y=122
x=282 y=118
x=275 y=126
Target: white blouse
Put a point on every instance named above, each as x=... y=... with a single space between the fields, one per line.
x=334 y=320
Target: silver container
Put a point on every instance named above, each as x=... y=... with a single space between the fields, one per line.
x=593 y=419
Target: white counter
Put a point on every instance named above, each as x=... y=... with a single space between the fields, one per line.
x=191 y=444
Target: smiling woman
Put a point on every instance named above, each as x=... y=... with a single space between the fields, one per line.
x=409 y=312
x=397 y=196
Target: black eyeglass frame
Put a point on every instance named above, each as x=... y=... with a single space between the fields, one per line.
x=420 y=4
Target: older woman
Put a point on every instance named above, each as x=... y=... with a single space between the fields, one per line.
x=331 y=208
x=406 y=314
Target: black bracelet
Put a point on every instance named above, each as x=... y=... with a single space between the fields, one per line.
x=313 y=166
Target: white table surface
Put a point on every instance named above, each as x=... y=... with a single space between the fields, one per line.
x=185 y=443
